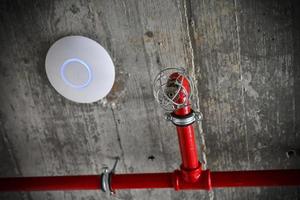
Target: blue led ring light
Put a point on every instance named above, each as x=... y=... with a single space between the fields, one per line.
x=63 y=76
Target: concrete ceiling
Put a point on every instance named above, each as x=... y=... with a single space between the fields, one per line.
x=244 y=55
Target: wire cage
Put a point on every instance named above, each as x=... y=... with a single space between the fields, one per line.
x=173 y=88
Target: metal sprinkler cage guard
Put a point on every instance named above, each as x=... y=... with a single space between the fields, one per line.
x=172 y=89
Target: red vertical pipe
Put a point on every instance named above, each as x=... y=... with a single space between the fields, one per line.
x=188 y=148
x=186 y=135
x=88 y=182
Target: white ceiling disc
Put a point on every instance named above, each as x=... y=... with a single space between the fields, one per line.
x=80 y=69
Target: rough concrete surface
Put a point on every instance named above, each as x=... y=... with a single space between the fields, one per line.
x=244 y=56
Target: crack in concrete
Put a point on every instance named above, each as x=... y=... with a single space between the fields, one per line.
x=241 y=77
x=119 y=140
x=192 y=72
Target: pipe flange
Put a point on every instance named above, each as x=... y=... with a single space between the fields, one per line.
x=185 y=120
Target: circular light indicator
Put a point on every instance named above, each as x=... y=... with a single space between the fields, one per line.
x=67 y=64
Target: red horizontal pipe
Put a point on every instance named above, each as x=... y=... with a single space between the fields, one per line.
x=174 y=180
x=89 y=182
x=208 y=180
x=141 y=181
x=255 y=178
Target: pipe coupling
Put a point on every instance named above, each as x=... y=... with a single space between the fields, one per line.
x=185 y=120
